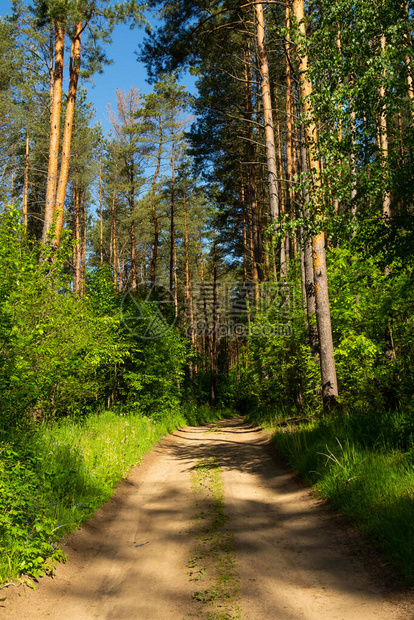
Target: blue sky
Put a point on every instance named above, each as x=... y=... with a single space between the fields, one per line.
x=124 y=73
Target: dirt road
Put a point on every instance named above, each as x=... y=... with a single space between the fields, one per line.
x=143 y=556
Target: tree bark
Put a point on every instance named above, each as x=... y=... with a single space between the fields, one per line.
x=133 y=257
x=112 y=241
x=257 y=269
x=83 y=244
x=253 y=213
x=308 y=259
x=303 y=271
x=407 y=60
x=74 y=68
x=383 y=137
x=244 y=215
x=353 y=168
x=336 y=204
x=134 y=270
x=290 y=154
x=56 y=102
x=213 y=348
x=26 y=178
x=207 y=344
x=76 y=234
x=267 y=113
x=282 y=196
x=154 y=253
x=173 y=286
x=327 y=361
x=100 y=205
x=187 y=273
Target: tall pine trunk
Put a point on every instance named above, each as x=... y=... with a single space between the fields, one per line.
x=56 y=103
x=383 y=137
x=253 y=212
x=282 y=196
x=74 y=68
x=100 y=205
x=309 y=285
x=76 y=236
x=154 y=253
x=188 y=298
x=112 y=241
x=244 y=216
x=83 y=243
x=134 y=269
x=173 y=271
x=26 y=178
x=323 y=314
x=407 y=59
x=290 y=153
x=267 y=113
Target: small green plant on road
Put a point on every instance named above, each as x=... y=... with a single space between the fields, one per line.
x=212 y=564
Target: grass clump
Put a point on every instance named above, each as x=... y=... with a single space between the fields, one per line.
x=53 y=478
x=361 y=467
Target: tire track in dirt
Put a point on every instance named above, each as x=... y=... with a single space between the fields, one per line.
x=130 y=561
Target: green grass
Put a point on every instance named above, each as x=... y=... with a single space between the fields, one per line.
x=203 y=414
x=268 y=417
x=55 y=476
x=364 y=472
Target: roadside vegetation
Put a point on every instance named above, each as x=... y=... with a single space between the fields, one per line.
x=363 y=466
x=54 y=476
x=66 y=360
x=358 y=455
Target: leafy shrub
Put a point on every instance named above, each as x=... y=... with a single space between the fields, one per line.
x=63 y=355
x=53 y=346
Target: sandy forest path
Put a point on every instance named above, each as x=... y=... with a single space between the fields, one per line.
x=288 y=556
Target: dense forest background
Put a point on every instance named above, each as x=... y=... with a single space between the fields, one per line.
x=249 y=247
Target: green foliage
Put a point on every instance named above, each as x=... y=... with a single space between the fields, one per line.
x=278 y=365
x=63 y=358
x=53 y=346
x=203 y=414
x=152 y=375
x=366 y=305
x=65 y=355
x=349 y=67
x=356 y=462
x=26 y=532
x=373 y=335
x=52 y=480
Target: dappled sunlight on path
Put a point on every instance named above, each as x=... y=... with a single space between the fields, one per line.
x=130 y=560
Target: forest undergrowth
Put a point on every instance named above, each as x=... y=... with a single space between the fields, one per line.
x=362 y=465
x=82 y=399
x=359 y=455
x=53 y=477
